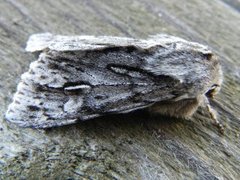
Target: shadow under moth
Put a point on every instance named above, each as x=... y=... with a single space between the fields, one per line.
x=82 y=77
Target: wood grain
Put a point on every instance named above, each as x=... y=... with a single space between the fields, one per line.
x=133 y=146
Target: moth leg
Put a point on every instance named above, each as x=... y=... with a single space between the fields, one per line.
x=213 y=115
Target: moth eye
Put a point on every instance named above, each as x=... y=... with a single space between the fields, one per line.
x=208 y=56
x=213 y=90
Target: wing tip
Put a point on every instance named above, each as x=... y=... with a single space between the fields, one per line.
x=39 y=42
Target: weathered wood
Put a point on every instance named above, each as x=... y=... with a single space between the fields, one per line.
x=133 y=146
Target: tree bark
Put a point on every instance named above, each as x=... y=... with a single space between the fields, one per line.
x=135 y=145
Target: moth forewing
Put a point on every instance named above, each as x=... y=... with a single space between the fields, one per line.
x=83 y=77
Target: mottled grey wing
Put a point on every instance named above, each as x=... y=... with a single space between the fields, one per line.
x=64 y=86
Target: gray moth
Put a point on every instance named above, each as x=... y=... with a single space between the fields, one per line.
x=77 y=78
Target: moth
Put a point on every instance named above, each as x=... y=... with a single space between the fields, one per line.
x=77 y=78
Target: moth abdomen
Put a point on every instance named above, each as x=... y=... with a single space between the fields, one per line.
x=184 y=108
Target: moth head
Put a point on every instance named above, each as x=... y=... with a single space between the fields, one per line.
x=213 y=90
x=217 y=79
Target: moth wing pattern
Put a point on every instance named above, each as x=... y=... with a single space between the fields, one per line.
x=82 y=77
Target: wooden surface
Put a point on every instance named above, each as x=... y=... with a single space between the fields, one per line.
x=134 y=146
